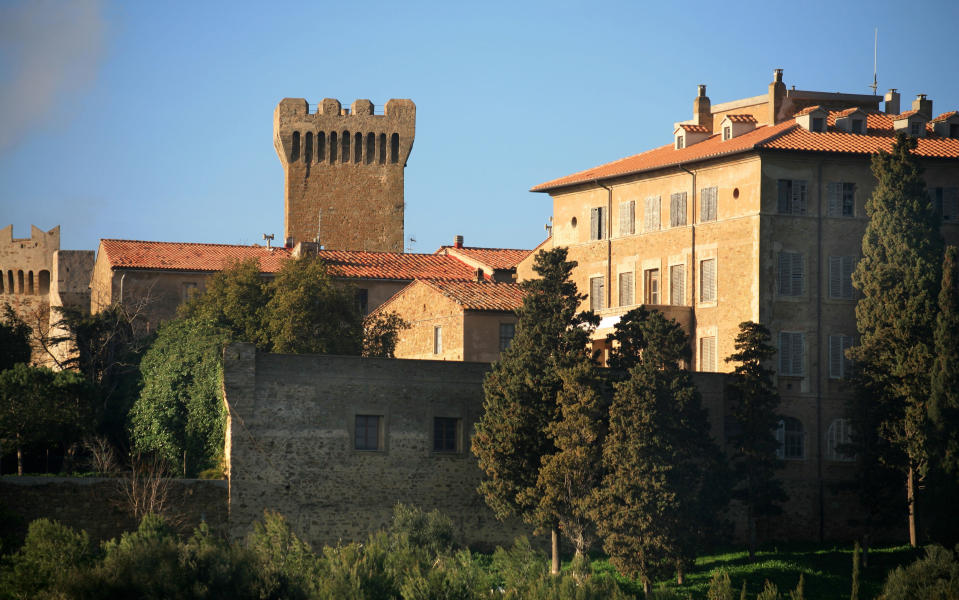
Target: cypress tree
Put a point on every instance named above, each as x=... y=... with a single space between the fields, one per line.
x=944 y=404
x=899 y=278
x=512 y=436
x=754 y=402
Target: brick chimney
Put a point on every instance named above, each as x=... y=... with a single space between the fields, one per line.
x=458 y=241
x=891 y=100
x=702 y=109
x=923 y=106
x=777 y=93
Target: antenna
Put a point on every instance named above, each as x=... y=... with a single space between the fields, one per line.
x=875 y=55
x=409 y=247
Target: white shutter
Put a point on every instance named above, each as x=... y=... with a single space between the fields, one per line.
x=835 y=276
x=594 y=223
x=834 y=193
x=652 y=220
x=626 y=289
x=597 y=293
x=707 y=204
x=677 y=209
x=707 y=292
x=707 y=354
x=677 y=285
x=623 y=223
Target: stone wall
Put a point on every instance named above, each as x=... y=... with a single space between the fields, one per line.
x=96 y=504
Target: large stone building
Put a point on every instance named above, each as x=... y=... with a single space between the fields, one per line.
x=344 y=172
x=755 y=211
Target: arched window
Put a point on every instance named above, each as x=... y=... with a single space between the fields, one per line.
x=358 y=148
x=345 y=150
x=44 y=282
x=3 y=282
x=19 y=281
x=295 y=151
x=10 y=287
x=395 y=148
x=30 y=287
x=321 y=146
x=370 y=147
x=308 y=149
x=332 y=147
x=382 y=148
x=791 y=438
x=839 y=435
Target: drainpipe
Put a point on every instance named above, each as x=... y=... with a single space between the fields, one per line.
x=692 y=251
x=609 y=243
x=121 y=287
x=819 y=352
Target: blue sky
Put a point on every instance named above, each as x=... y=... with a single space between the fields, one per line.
x=153 y=120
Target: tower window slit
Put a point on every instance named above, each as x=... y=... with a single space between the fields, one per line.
x=19 y=282
x=332 y=147
x=44 y=281
x=382 y=148
x=320 y=146
x=358 y=148
x=345 y=150
x=370 y=147
x=10 y=288
x=30 y=287
x=395 y=148
x=295 y=151
x=308 y=148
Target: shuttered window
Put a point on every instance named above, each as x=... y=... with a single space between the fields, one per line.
x=840 y=276
x=707 y=204
x=792 y=349
x=707 y=280
x=597 y=293
x=677 y=285
x=597 y=223
x=627 y=217
x=838 y=435
x=626 y=289
x=946 y=203
x=791 y=276
x=677 y=209
x=791 y=438
x=792 y=196
x=841 y=198
x=707 y=354
x=651 y=219
x=838 y=363
x=651 y=277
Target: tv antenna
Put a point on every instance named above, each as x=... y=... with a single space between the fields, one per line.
x=875 y=54
x=409 y=246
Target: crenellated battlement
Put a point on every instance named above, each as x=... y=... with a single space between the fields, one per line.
x=25 y=263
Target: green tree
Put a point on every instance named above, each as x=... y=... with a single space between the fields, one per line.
x=754 y=401
x=662 y=492
x=512 y=436
x=179 y=415
x=381 y=331
x=899 y=277
x=51 y=553
x=235 y=300
x=14 y=339
x=944 y=403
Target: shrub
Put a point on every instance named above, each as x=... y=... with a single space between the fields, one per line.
x=287 y=565
x=932 y=577
x=720 y=587
x=770 y=592
x=50 y=554
x=432 y=531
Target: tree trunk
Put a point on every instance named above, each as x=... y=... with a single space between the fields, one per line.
x=911 y=503
x=19 y=460
x=647 y=586
x=554 y=567
x=680 y=579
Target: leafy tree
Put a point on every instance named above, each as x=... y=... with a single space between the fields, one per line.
x=50 y=554
x=381 y=332
x=512 y=436
x=179 y=415
x=308 y=313
x=14 y=339
x=754 y=401
x=662 y=491
x=944 y=404
x=235 y=300
x=899 y=277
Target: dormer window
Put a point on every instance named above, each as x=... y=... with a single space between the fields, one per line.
x=680 y=142
x=727 y=133
x=947 y=125
x=688 y=134
x=857 y=126
x=736 y=125
x=852 y=120
x=914 y=128
x=818 y=124
x=912 y=122
x=813 y=119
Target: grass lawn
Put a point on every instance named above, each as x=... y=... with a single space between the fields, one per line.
x=827 y=571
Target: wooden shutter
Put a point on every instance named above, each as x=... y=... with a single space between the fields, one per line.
x=707 y=291
x=835 y=356
x=834 y=194
x=791 y=275
x=594 y=224
x=784 y=192
x=632 y=217
x=707 y=354
x=627 y=216
x=597 y=293
x=798 y=197
x=835 y=276
x=847 y=267
x=791 y=350
x=677 y=209
x=707 y=204
x=626 y=289
x=798 y=277
x=796 y=353
x=677 y=285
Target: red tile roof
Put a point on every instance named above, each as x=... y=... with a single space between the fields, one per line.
x=486 y=295
x=741 y=118
x=905 y=115
x=782 y=136
x=808 y=110
x=689 y=127
x=495 y=258
x=181 y=256
x=944 y=116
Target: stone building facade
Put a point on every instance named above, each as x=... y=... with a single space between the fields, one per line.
x=344 y=172
x=755 y=211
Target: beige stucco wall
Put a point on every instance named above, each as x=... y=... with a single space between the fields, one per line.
x=481 y=334
x=425 y=309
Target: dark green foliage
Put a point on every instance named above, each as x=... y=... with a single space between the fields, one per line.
x=754 y=401
x=521 y=391
x=287 y=565
x=381 y=331
x=628 y=341
x=14 y=339
x=770 y=592
x=663 y=489
x=933 y=577
x=899 y=278
x=50 y=554
x=944 y=403
x=234 y=300
x=180 y=414
x=720 y=586
x=432 y=531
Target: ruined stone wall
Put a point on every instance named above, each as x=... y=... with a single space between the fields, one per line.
x=344 y=172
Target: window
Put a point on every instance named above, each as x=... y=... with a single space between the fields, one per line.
x=677 y=285
x=446 y=434
x=838 y=435
x=438 y=339
x=842 y=197
x=707 y=204
x=626 y=289
x=627 y=217
x=707 y=354
x=707 y=280
x=727 y=133
x=840 y=276
x=947 y=203
x=791 y=196
x=914 y=128
x=791 y=438
x=597 y=223
x=651 y=285
x=954 y=130
x=680 y=142
x=791 y=277
x=677 y=209
x=792 y=350
x=362 y=300
x=651 y=219
x=506 y=333
x=838 y=363
x=818 y=124
x=597 y=293
x=857 y=126
x=189 y=290
x=368 y=432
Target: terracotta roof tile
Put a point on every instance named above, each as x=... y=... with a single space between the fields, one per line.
x=486 y=295
x=905 y=115
x=496 y=258
x=944 y=116
x=741 y=118
x=690 y=128
x=180 y=256
x=808 y=110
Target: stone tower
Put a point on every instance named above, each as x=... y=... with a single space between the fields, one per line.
x=344 y=172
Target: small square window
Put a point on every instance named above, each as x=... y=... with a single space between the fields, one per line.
x=818 y=124
x=727 y=133
x=362 y=300
x=857 y=125
x=368 y=432
x=914 y=128
x=446 y=434
x=506 y=333
x=680 y=142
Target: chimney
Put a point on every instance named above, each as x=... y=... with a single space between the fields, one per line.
x=892 y=102
x=923 y=106
x=777 y=93
x=458 y=241
x=702 y=109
